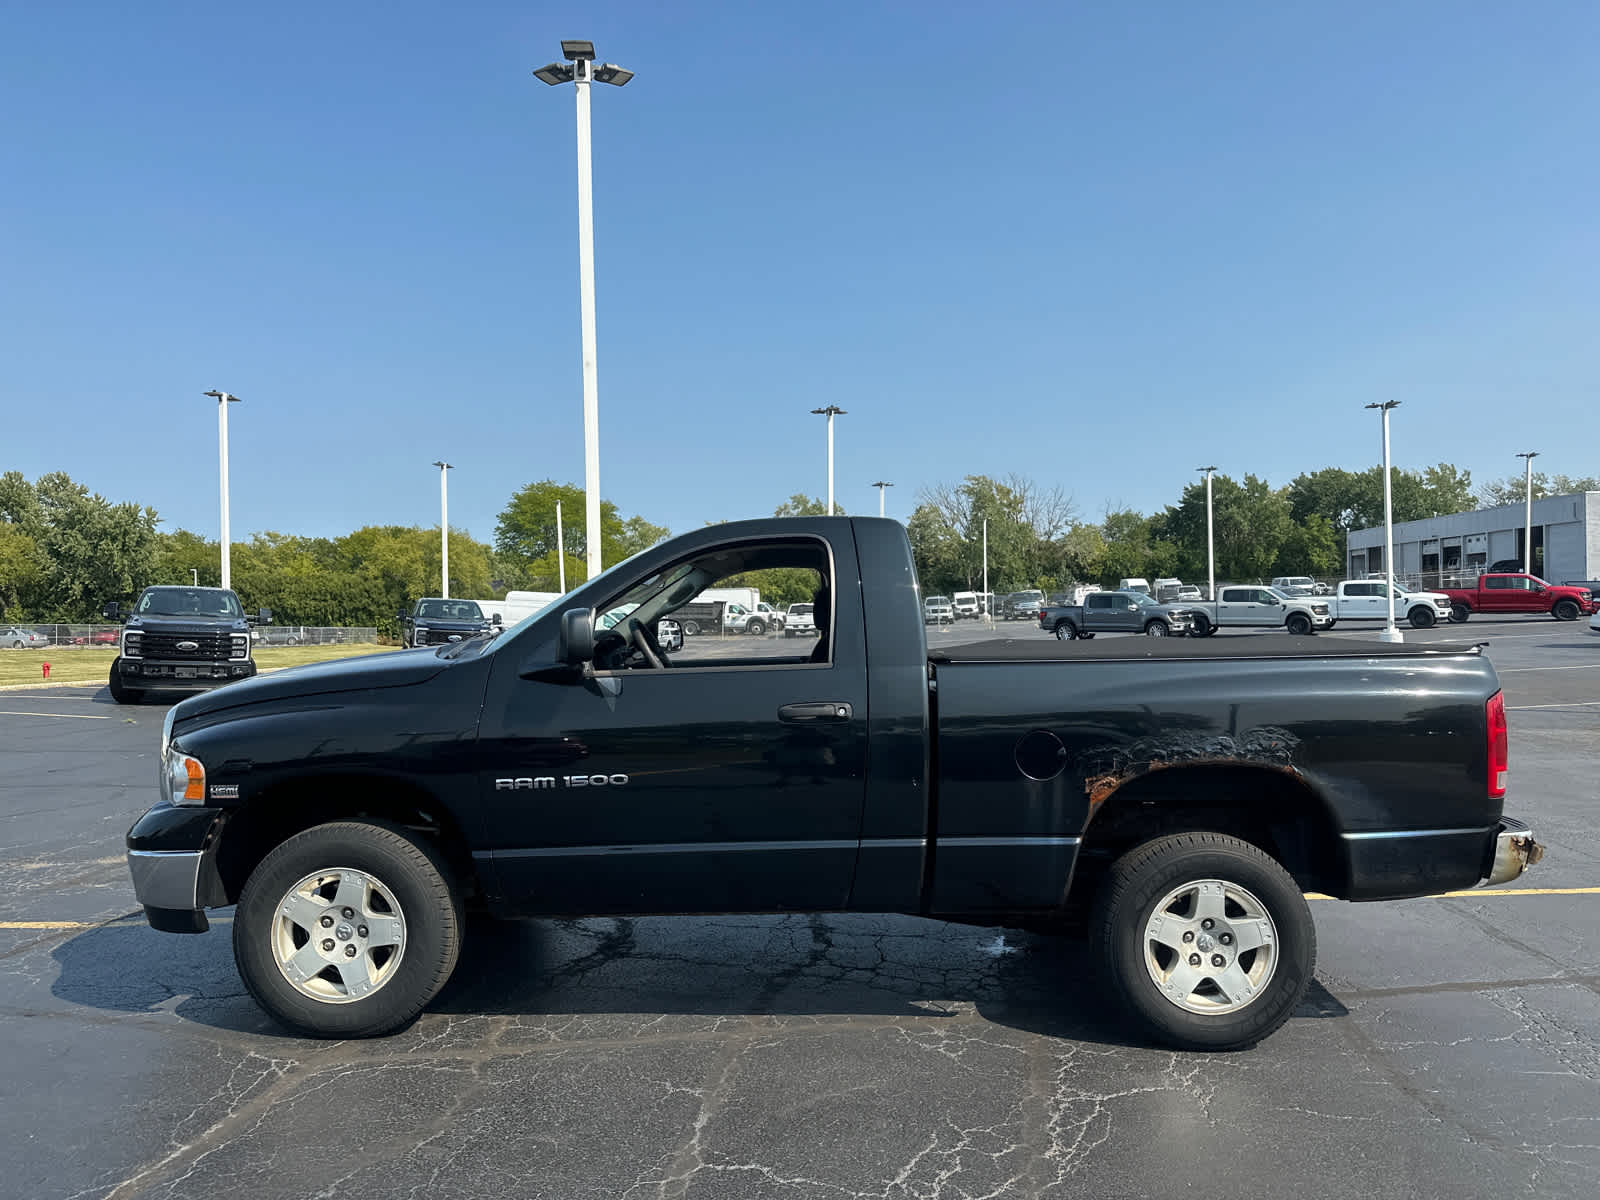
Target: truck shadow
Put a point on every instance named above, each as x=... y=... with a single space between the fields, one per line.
x=777 y=967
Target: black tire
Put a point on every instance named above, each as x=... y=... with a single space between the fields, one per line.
x=1422 y=618
x=16 y=645
x=1203 y=626
x=756 y=626
x=1459 y=613
x=691 y=629
x=1066 y=631
x=1565 y=610
x=291 y=640
x=120 y=693
x=1298 y=624
x=788 y=633
x=425 y=899
x=1331 y=624
x=1158 y=871
x=1157 y=629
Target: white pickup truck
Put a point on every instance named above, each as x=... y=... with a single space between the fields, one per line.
x=1364 y=600
x=758 y=621
x=1255 y=607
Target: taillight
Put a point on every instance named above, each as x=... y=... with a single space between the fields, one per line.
x=1041 y=614
x=1499 y=749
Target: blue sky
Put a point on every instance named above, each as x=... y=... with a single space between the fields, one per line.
x=1097 y=245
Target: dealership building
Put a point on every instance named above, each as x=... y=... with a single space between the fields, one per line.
x=1445 y=551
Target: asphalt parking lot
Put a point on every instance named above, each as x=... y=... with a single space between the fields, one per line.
x=1450 y=1047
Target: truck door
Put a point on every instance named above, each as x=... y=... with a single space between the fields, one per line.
x=730 y=779
x=1100 y=611
x=1363 y=602
x=1240 y=606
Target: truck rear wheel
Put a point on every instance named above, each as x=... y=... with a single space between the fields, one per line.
x=1202 y=625
x=1206 y=939
x=1459 y=612
x=1422 y=618
x=1066 y=631
x=1565 y=610
x=347 y=930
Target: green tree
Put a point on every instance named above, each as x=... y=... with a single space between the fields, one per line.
x=1024 y=523
x=21 y=572
x=802 y=505
x=1513 y=489
x=1312 y=548
x=525 y=534
x=1252 y=521
x=90 y=550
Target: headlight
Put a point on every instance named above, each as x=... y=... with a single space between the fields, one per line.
x=132 y=643
x=241 y=646
x=183 y=776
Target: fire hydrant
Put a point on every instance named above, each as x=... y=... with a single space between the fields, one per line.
x=47 y=670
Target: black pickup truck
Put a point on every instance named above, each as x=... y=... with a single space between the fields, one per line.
x=181 y=639
x=435 y=621
x=1175 y=798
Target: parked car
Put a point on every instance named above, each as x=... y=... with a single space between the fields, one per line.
x=1520 y=594
x=966 y=606
x=1256 y=607
x=937 y=610
x=280 y=635
x=1024 y=605
x=15 y=637
x=1295 y=585
x=1189 y=592
x=1368 y=600
x=1116 y=612
x=1188 y=795
x=798 y=619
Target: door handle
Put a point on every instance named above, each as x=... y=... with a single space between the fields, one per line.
x=815 y=710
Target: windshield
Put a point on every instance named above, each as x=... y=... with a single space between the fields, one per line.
x=1143 y=600
x=450 y=610
x=188 y=602
x=936 y=601
x=800 y=610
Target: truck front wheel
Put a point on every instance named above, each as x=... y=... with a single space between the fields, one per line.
x=347 y=929
x=1298 y=624
x=120 y=692
x=1206 y=939
x=1422 y=618
x=1565 y=610
x=756 y=627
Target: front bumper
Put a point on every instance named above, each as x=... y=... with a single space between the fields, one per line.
x=176 y=676
x=172 y=856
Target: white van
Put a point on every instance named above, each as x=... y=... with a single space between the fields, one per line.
x=1135 y=584
x=966 y=605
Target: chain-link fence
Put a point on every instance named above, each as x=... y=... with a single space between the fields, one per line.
x=40 y=637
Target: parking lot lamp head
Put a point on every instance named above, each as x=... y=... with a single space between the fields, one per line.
x=1391 y=632
x=554 y=73
x=223 y=399
x=577 y=50
x=880 y=485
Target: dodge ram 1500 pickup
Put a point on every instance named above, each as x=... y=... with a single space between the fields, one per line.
x=1174 y=798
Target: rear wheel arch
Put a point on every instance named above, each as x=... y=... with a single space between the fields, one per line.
x=293 y=806
x=1272 y=808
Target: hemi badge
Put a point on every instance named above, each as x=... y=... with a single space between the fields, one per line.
x=224 y=791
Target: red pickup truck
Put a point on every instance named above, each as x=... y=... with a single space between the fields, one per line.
x=1519 y=594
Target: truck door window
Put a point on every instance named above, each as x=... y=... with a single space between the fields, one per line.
x=691 y=631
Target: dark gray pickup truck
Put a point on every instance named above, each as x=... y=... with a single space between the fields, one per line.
x=1174 y=798
x=1116 y=612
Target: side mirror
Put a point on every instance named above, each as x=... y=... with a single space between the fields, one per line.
x=577 y=636
x=112 y=611
x=496 y=619
x=401 y=615
x=1133 y=608
x=264 y=616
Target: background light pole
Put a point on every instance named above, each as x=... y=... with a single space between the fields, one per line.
x=880 y=485
x=1391 y=632
x=1211 y=543
x=989 y=615
x=832 y=411
x=1527 y=535
x=580 y=69
x=561 y=553
x=444 y=526
x=195 y=571
x=223 y=400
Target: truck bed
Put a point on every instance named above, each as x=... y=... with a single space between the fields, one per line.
x=1133 y=648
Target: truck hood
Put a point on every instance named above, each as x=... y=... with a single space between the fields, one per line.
x=195 y=624
x=399 y=668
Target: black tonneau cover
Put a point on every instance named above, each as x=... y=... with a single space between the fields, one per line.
x=1135 y=647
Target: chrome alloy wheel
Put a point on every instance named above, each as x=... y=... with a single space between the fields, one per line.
x=338 y=935
x=1210 y=947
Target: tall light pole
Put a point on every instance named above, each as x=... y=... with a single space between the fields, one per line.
x=1527 y=535
x=1391 y=632
x=986 y=606
x=880 y=485
x=832 y=411
x=580 y=69
x=223 y=400
x=444 y=526
x=561 y=553
x=1211 y=542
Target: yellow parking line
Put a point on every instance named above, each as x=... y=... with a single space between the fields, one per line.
x=59 y=926
x=67 y=716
